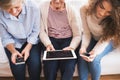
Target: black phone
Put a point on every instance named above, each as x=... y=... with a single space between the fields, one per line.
x=86 y=54
x=20 y=60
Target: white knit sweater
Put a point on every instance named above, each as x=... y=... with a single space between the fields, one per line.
x=91 y=28
x=74 y=21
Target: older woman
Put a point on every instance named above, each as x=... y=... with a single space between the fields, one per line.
x=19 y=29
x=60 y=30
x=99 y=34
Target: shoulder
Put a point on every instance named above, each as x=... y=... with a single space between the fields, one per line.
x=1 y=15
x=69 y=6
x=70 y=9
x=44 y=4
x=1 y=12
x=31 y=4
x=84 y=8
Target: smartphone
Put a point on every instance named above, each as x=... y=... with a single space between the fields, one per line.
x=86 y=54
x=20 y=60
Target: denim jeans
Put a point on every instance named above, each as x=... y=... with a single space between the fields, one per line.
x=66 y=67
x=94 y=67
x=33 y=64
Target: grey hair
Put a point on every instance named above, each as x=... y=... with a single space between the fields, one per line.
x=5 y=4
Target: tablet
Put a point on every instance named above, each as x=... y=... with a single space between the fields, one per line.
x=59 y=55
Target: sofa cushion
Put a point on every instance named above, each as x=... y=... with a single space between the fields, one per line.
x=3 y=57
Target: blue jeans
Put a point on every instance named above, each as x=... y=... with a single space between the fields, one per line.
x=94 y=67
x=66 y=66
x=33 y=64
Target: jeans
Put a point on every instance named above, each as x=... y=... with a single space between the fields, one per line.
x=66 y=67
x=94 y=67
x=33 y=64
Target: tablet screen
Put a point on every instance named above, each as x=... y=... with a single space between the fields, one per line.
x=59 y=54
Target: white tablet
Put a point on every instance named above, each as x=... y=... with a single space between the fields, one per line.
x=59 y=55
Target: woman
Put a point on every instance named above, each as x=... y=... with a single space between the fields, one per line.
x=98 y=36
x=19 y=29
x=60 y=30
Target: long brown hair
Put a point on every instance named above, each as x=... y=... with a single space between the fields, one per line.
x=111 y=24
x=116 y=17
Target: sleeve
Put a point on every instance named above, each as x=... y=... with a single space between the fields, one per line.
x=6 y=38
x=86 y=37
x=43 y=30
x=75 y=23
x=33 y=37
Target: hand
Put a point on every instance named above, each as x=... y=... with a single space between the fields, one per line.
x=68 y=48
x=92 y=56
x=26 y=51
x=25 y=54
x=14 y=56
x=50 y=47
x=81 y=52
x=14 y=52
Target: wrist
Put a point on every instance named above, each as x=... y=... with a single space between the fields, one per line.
x=28 y=46
x=48 y=45
x=13 y=51
x=72 y=48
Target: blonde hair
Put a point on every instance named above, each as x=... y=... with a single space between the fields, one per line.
x=5 y=4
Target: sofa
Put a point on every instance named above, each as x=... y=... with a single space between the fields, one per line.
x=110 y=64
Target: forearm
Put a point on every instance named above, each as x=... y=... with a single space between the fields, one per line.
x=86 y=38
x=28 y=46
x=11 y=48
x=100 y=46
x=75 y=42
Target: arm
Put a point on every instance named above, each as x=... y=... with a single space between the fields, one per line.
x=76 y=27
x=44 y=31
x=86 y=37
x=44 y=37
x=33 y=37
x=100 y=46
x=26 y=51
x=8 y=42
x=6 y=38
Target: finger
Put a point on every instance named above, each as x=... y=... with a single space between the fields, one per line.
x=52 y=48
x=85 y=58
x=22 y=53
x=90 y=60
x=26 y=56
x=68 y=48
x=48 y=49
x=19 y=55
x=13 y=59
x=64 y=48
x=92 y=56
